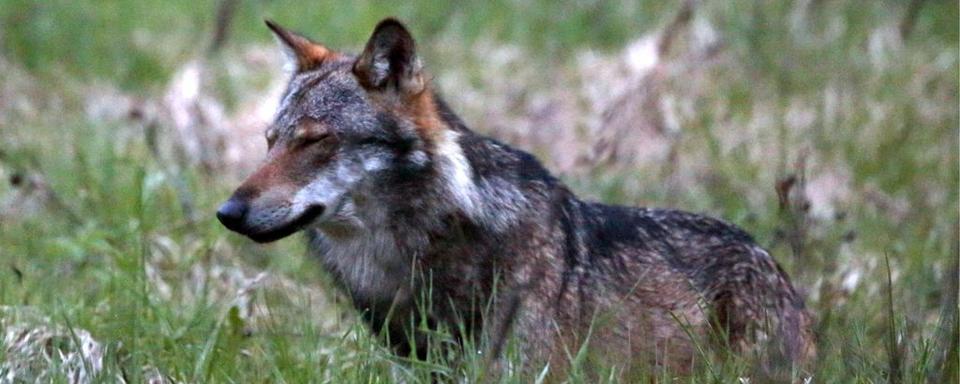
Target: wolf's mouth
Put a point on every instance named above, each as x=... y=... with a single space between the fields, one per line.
x=288 y=229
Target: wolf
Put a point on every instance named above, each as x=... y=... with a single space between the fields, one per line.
x=403 y=204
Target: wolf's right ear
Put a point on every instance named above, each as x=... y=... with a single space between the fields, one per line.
x=389 y=61
x=300 y=53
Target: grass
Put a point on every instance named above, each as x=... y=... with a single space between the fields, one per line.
x=818 y=91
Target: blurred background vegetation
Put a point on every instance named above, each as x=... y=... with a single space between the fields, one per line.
x=828 y=128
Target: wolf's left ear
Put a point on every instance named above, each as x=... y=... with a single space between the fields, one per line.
x=389 y=61
x=301 y=54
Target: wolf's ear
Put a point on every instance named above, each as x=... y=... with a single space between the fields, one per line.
x=301 y=54
x=389 y=61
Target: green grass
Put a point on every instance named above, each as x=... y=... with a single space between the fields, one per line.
x=83 y=260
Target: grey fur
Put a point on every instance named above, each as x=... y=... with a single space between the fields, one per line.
x=411 y=211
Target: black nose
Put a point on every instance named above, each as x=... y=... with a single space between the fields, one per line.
x=231 y=213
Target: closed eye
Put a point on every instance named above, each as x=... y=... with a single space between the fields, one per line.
x=311 y=139
x=317 y=137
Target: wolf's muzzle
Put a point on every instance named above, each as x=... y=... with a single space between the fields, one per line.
x=232 y=213
x=235 y=214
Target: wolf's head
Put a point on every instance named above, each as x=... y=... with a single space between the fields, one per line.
x=344 y=123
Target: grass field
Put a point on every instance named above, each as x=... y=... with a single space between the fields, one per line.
x=828 y=129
